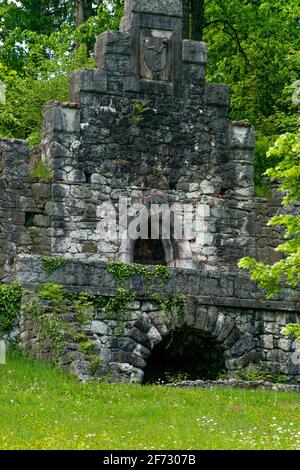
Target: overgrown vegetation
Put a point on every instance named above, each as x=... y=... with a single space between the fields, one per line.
x=10 y=302
x=285 y=272
x=52 y=264
x=49 y=327
x=293 y=329
x=122 y=272
x=172 y=307
x=41 y=172
x=257 y=372
x=52 y=325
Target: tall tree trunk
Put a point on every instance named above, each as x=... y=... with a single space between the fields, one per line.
x=84 y=10
x=198 y=16
x=186 y=10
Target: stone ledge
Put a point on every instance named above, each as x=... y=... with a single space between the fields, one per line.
x=218 y=288
x=234 y=383
x=194 y=52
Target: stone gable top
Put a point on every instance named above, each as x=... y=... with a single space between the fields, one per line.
x=151 y=49
x=155 y=7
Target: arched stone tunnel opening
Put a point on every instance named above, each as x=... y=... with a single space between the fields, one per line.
x=185 y=354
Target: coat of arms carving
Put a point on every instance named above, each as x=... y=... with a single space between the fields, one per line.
x=155 y=56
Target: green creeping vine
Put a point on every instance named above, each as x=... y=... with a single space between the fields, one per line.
x=172 y=307
x=293 y=329
x=54 y=326
x=52 y=292
x=52 y=264
x=86 y=304
x=122 y=272
x=57 y=330
x=10 y=303
x=172 y=310
x=48 y=327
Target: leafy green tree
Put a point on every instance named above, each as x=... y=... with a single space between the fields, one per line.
x=253 y=47
x=35 y=66
x=285 y=272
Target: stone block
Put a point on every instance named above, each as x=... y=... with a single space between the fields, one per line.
x=155 y=7
x=212 y=316
x=41 y=190
x=243 y=345
x=42 y=220
x=242 y=137
x=140 y=337
x=217 y=95
x=108 y=45
x=89 y=81
x=194 y=52
x=100 y=327
x=60 y=118
x=154 y=336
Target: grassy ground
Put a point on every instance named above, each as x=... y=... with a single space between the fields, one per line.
x=43 y=409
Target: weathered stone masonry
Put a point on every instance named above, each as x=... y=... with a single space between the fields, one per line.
x=220 y=305
x=144 y=125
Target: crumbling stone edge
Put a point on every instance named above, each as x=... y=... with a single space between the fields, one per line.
x=234 y=383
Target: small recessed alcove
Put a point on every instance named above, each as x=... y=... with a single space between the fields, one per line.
x=149 y=252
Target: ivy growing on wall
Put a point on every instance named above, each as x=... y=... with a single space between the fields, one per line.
x=52 y=264
x=122 y=272
x=10 y=302
x=171 y=307
x=293 y=329
x=53 y=327
x=49 y=308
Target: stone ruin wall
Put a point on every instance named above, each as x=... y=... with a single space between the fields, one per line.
x=150 y=129
x=226 y=309
x=33 y=217
x=181 y=149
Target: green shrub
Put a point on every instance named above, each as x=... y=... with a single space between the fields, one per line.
x=52 y=292
x=10 y=303
x=256 y=372
x=41 y=172
x=293 y=329
x=52 y=264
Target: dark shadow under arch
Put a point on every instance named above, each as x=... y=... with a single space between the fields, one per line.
x=188 y=353
x=149 y=252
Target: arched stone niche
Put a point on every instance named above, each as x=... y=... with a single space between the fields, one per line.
x=218 y=328
x=176 y=253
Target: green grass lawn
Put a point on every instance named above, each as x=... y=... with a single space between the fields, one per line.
x=41 y=408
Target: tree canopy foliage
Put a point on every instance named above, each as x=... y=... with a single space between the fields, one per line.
x=253 y=47
x=38 y=50
x=285 y=272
